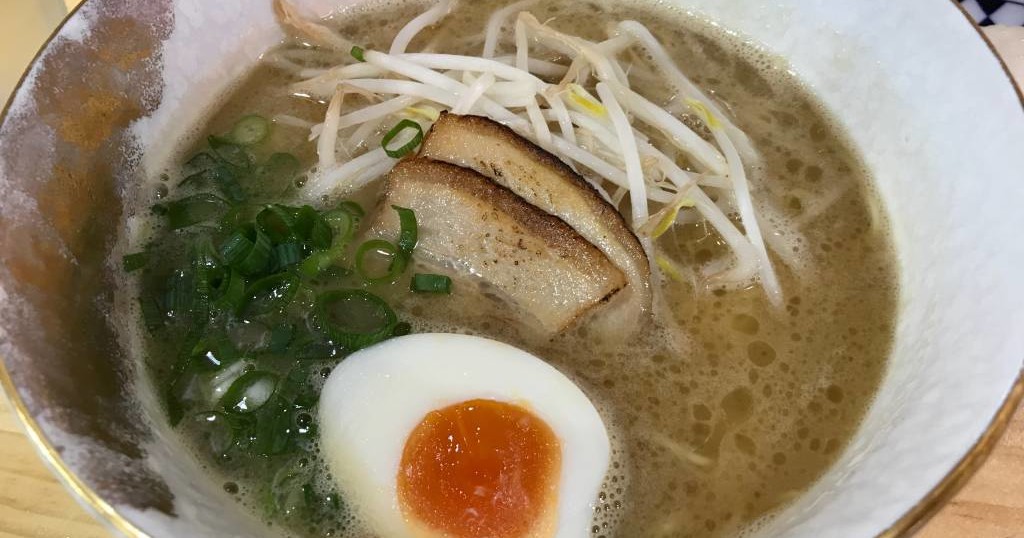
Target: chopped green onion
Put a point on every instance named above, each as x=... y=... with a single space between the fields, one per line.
x=286 y=254
x=408 y=233
x=311 y=227
x=249 y=392
x=203 y=266
x=230 y=152
x=247 y=250
x=353 y=319
x=406 y=148
x=280 y=337
x=179 y=295
x=135 y=261
x=427 y=283
x=352 y=208
x=357 y=53
x=224 y=177
x=193 y=210
x=273 y=431
x=383 y=248
x=238 y=216
x=200 y=162
x=320 y=235
x=213 y=352
x=250 y=130
x=278 y=172
x=342 y=223
x=231 y=292
x=152 y=316
x=277 y=221
x=343 y=226
x=221 y=175
x=216 y=430
x=270 y=293
x=285 y=494
x=317 y=263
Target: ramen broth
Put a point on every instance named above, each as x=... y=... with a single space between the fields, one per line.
x=722 y=409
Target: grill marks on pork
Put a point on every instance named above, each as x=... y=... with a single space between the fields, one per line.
x=544 y=181
x=538 y=261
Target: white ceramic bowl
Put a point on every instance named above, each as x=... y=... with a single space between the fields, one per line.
x=922 y=95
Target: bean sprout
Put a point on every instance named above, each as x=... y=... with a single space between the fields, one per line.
x=619 y=139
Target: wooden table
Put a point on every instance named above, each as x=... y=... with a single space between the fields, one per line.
x=34 y=505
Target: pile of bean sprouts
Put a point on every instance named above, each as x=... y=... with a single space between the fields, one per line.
x=586 y=111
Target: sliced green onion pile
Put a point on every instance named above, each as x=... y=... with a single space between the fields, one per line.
x=249 y=302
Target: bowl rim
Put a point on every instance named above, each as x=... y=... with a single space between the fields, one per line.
x=920 y=513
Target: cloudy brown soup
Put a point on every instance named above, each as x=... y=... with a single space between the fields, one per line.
x=721 y=407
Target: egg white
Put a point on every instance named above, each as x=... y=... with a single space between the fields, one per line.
x=374 y=399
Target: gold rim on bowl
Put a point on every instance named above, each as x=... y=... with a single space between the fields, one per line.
x=919 y=514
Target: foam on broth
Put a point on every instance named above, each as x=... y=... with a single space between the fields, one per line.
x=724 y=410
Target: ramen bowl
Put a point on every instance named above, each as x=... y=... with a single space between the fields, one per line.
x=917 y=88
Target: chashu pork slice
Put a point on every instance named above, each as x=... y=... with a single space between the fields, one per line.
x=465 y=220
x=544 y=181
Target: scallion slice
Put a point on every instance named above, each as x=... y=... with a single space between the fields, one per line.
x=352 y=208
x=286 y=254
x=178 y=298
x=216 y=430
x=357 y=53
x=152 y=315
x=353 y=319
x=231 y=291
x=276 y=175
x=229 y=152
x=193 y=210
x=277 y=222
x=379 y=247
x=406 y=148
x=249 y=392
x=408 y=233
x=227 y=182
x=134 y=261
x=316 y=263
x=311 y=227
x=201 y=161
x=428 y=283
x=247 y=250
x=270 y=293
x=250 y=130
x=280 y=337
x=203 y=267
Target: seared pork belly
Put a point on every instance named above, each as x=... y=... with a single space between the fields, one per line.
x=467 y=221
x=538 y=177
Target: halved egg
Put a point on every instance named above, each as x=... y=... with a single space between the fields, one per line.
x=433 y=435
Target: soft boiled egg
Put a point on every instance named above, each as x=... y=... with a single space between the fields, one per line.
x=433 y=435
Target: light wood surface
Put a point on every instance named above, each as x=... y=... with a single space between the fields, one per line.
x=34 y=505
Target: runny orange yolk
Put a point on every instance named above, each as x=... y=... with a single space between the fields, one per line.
x=480 y=468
